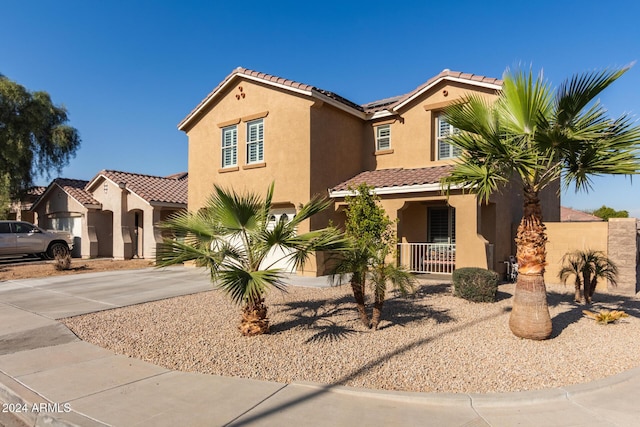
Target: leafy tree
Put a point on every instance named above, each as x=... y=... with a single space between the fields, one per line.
x=587 y=267
x=605 y=212
x=5 y=198
x=535 y=137
x=370 y=232
x=232 y=237
x=34 y=137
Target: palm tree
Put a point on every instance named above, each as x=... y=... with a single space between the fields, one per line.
x=587 y=267
x=232 y=237
x=532 y=138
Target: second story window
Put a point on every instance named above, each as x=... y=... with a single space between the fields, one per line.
x=255 y=141
x=383 y=137
x=443 y=130
x=229 y=146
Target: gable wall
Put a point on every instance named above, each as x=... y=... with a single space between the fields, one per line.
x=57 y=201
x=413 y=133
x=286 y=145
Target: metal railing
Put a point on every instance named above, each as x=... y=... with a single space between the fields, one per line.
x=427 y=257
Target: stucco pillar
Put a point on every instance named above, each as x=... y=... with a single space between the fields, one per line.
x=89 y=236
x=472 y=249
x=151 y=233
x=122 y=244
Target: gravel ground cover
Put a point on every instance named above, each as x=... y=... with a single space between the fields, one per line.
x=432 y=342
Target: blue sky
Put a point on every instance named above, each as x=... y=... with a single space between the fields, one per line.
x=129 y=71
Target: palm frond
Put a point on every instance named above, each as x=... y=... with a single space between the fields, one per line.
x=248 y=287
x=576 y=93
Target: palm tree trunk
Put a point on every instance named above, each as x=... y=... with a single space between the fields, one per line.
x=254 y=319
x=530 y=314
x=588 y=293
x=357 y=285
x=377 y=308
x=578 y=286
x=594 y=283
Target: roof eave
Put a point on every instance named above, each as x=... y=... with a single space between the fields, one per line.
x=398 y=189
x=168 y=204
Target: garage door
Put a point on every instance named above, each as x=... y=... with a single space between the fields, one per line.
x=274 y=258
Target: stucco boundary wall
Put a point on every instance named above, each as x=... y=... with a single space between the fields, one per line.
x=619 y=239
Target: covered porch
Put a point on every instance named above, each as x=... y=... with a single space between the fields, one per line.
x=436 y=233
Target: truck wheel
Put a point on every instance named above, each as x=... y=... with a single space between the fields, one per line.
x=57 y=250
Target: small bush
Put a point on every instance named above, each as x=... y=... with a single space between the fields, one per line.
x=475 y=284
x=62 y=262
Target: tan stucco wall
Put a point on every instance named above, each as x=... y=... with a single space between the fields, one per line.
x=563 y=237
x=57 y=202
x=286 y=145
x=413 y=130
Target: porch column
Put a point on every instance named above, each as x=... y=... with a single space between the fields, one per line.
x=471 y=247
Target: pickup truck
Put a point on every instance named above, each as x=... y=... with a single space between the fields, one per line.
x=24 y=238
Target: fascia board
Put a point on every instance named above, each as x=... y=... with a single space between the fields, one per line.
x=400 y=189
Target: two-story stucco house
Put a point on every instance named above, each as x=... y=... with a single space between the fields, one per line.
x=255 y=128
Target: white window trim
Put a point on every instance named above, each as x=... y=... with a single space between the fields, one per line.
x=233 y=147
x=258 y=142
x=380 y=138
x=453 y=152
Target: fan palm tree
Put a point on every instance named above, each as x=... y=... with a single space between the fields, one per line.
x=587 y=267
x=532 y=138
x=232 y=237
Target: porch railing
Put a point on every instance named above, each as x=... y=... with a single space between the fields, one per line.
x=427 y=257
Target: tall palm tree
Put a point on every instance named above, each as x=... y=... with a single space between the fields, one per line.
x=533 y=138
x=587 y=267
x=232 y=237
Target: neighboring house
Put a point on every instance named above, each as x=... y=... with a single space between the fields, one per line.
x=113 y=215
x=255 y=128
x=21 y=210
x=572 y=215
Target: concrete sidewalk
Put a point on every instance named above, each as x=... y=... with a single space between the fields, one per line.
x=49 y=377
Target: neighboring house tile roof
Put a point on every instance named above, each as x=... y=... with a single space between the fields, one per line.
x=396 y=177
x=365 y=109
x=572 y=215
x=76 y=189
x=36 y=191
x=152 y=189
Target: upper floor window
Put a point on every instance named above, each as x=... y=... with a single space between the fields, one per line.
x=255 y=141
x=444 y=130
x=383 y=137
x=229 y=146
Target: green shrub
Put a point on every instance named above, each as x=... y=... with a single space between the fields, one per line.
x=475 y=284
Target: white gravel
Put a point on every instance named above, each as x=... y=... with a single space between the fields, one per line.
x=433 y=342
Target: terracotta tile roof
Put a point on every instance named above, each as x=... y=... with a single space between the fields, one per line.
x=76 y=189
x=572 y=215
x=152 y=188
x=396 y=177
x=36 y=191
